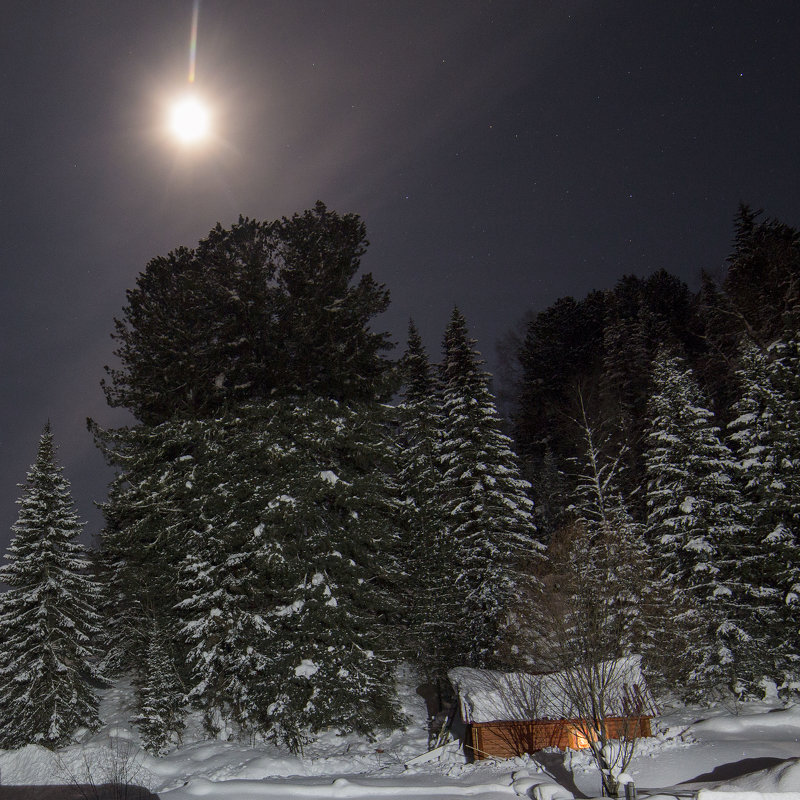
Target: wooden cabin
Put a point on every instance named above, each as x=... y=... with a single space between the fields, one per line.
x=505 y=714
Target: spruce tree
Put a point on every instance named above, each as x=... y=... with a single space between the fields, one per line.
x=694 y=521
x=222 y=626
x=151 y=511
x=336 y=512
x=763 y=435
x=48 y=623
x=484 y=499
x=563 y=344
x=160 y=697
x=784 y=492
x=419 y=473
x=324 y=670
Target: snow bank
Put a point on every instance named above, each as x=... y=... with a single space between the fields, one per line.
x=29 y=764
x=551 y=791
x=713 y=794
x=390 y=768
x=749 y=723
x=342 y=789
x=782 y=780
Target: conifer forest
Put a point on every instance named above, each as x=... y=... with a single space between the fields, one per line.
x=296 y=510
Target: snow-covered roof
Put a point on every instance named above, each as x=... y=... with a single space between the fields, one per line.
x=492 y=696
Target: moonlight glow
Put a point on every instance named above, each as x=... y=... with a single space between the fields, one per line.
x=190 y=120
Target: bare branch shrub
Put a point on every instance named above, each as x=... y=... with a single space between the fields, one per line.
x=108 y=773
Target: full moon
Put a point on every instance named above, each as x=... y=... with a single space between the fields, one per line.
x=189 y=120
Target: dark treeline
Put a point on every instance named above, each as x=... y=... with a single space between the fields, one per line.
x=602 y=348
x=681 y=409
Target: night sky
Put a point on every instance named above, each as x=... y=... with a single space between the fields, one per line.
x=502 y=154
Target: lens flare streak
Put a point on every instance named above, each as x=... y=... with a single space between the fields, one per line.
x=193 y=41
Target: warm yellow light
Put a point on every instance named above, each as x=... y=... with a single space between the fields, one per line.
x=581 y=738
x=580 y=742
x=190 y=120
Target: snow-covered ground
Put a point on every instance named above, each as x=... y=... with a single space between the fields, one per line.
x=752 y=748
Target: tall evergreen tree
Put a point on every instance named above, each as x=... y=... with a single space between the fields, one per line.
x=484 y=499
x=428 y=587
x=763 y=433
x=751 y=433
x=149 y=515
x=784 y=495
x=222 y=624
x=563 y=344
x=48 y=623
x=694 y=518
x=252 y=368
x=160 y=696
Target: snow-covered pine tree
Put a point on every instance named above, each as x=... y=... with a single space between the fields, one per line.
x=48 y=623
x=335 y=509
x=324 y=670
x=151 y=510
x=751 y=433
x=160 y=696
x=694 y=522
x=291 y=562
x=785 y=487
x=282 y=387
x=428 y=584
x=484 y=500
x=763 y=434
x=218 y=524
x=181 y=553
x=223 y=627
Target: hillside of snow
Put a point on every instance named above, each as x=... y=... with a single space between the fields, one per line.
x=752 y=748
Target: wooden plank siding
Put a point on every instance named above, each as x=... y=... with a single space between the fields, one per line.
x=508 y=738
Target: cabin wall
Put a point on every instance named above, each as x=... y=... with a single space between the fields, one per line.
x=506 y=739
